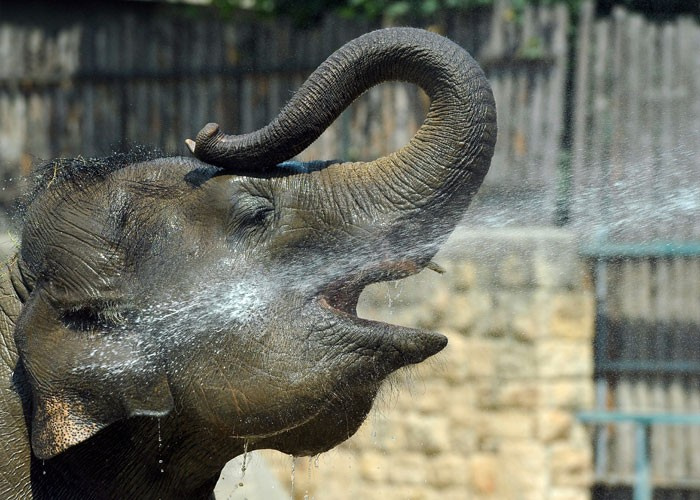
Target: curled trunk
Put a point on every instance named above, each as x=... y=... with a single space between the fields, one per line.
x=456 y=140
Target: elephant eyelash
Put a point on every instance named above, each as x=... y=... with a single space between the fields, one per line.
x=250 y=211
x=93 y=317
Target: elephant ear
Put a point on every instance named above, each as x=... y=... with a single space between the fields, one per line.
x=61 y=420
x=83 y=382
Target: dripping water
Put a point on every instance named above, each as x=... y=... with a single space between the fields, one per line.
x=294 y=463
x=244 y=463
x=308 y=477
x=160 y=446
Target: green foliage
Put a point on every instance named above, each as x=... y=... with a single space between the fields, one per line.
x=307 y=12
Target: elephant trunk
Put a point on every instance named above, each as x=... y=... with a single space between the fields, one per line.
x=458 y=134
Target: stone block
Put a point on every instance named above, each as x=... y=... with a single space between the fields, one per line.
x=465 y=310
x=523 y=469
x=464 y=439
x=430 y=395
x=480 y=357
x=572 y=316
x=573 y=393
x=516 y=270
x=409 y=468
x=483 y=471
x=527 y=316
x=516 y=360
x=560 y=493
x=454 y=493
x=427 y=434
x=571 y=465
x=486 y=394
x=464 y=275
x=564 y=358
x=551 y=253
x=505 y=424
x=385 y=432
x=374 y=466
x=556 y=263
x=461 y=404
x=517 y=394
x=554 y=424
x=447 y=470
x=390 y=492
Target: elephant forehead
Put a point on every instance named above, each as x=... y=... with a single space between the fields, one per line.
x=69 y=236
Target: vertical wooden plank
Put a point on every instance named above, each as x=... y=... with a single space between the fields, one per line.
x=627 y=82
x=677 y=319
x=581 y=181
x=647 y=119
x=694 y=90
x=520 y=121
x=623 y=455
x=666 y=181
x=503 y=92
x=615 y=141
x=693 y=298
x=660 y=450
x=688 y=348
x=555 y=111
x=595 y=201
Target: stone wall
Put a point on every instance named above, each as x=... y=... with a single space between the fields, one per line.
x=492 y=417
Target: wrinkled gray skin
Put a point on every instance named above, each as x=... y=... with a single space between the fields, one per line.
x=178 y=309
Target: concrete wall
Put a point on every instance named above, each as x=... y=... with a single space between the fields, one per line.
x=492 y=417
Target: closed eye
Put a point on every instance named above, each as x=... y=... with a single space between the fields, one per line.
x=250 y=212
x=93 y=317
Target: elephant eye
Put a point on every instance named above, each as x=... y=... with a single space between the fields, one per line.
x=250 y=212
x=93 y=317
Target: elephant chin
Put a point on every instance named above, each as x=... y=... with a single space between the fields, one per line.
x=337 y=421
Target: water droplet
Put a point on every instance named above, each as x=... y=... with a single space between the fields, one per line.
x=160 y=445
x=244 y=464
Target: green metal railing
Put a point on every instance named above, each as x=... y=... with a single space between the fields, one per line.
x=642 y=488
x=602 y=254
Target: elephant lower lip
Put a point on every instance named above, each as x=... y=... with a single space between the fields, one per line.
x=389 y=347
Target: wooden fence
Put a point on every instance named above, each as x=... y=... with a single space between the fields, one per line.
x=636 y=181
x=636 y=126
x=649 y=362
x=139 y=74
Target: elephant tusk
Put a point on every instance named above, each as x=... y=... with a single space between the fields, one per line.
x=191 y=145
x=435 y=267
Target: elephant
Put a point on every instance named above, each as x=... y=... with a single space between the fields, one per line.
x=163 y=315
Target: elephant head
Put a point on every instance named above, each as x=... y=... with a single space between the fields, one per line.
x=219 y=294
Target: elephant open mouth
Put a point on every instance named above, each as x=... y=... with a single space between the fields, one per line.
x=342 y=295
x=397 y=345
